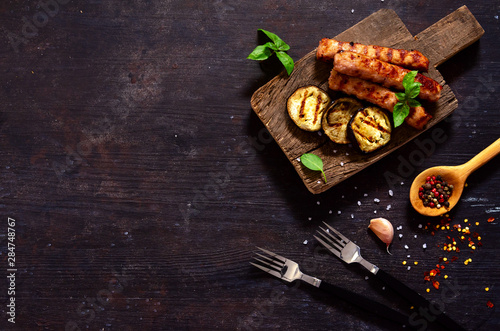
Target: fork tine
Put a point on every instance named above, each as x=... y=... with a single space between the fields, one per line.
x=269 y=262
x=272 y=272
x=328 y=246
x=344 y=238
x=278 y=257
x=332 y=244
x=332 y=239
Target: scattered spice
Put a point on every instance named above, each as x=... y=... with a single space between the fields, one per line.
x=489 y=304
x=467 y=237
x=491 y=219
x=435 y=192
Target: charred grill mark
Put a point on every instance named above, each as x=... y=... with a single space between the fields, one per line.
x=428 y=83
x=334 y=125
x=389 y=54
x=302 y=106
x=318 y=106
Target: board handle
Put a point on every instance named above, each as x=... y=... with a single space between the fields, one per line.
x=450 y=35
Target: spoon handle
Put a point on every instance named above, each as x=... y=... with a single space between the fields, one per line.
x=480 y=159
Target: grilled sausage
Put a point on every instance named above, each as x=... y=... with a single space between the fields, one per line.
x=387 y=74
x=376 y=94
x=409 y=59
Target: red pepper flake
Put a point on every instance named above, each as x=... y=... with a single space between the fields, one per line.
x=435 y=284
x=491 y=219
x=454 y=258
x=489 y=303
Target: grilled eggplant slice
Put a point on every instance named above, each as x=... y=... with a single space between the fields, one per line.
x=306 y=107
x=337 y=117
x=370 y=129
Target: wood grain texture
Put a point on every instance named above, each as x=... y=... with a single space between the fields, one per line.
x=453 y=33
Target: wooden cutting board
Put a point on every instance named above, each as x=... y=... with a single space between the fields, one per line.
x=439 y=42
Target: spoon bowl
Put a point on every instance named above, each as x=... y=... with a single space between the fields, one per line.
x=454 y=175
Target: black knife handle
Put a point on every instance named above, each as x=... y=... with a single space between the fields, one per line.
x=423 y=306
x=365 y=303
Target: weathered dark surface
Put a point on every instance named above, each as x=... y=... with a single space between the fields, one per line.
x=141 y=180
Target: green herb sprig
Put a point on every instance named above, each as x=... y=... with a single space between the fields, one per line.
x=313 y=162
x=276 y=45
x=406 y=98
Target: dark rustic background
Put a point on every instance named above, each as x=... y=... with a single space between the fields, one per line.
x=141 y=180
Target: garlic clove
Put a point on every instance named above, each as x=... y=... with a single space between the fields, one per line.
x=383 y=230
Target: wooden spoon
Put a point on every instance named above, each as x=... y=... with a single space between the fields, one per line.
x=456 y=175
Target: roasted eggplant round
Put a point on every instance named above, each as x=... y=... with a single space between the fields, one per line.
x=306 y=107
x=337 y=117
x=370 y=129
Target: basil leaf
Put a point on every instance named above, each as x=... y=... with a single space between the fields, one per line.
x=401 y=96
x=280 y=44
x=286 y=60
x=409 y=79
x=413 y=91
x=260 y=52
x=399 y=113
x=313 y=162
x=414 y=103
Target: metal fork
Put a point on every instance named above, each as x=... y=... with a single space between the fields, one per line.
x=349 y=252
x=289 y=271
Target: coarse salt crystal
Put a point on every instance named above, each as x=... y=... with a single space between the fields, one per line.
x=352 y=215
x=391 y=193
x=402 y=183
x=329 y=212
x=305 y=242
x=339 y=212
x=365 y=195
x=309 y=218
x=400 y=235
x=341 y=164
x=352 y=11
x=388 y=207
x=408 y=256
x=359 y=203
x=420 y=226
x=376 y=200
x=366 y=277
x=406 y=247
x=318 y=203
x=409 y=267
x=415 y=236
x=424 y=246
x=374 y=211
